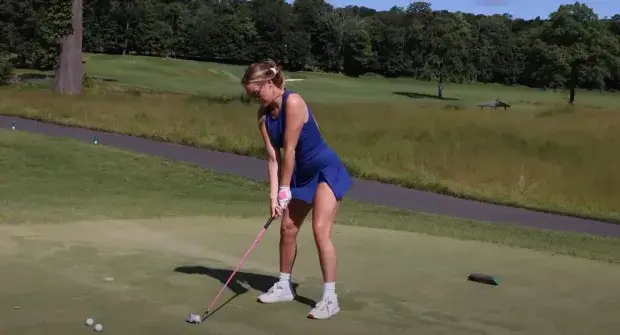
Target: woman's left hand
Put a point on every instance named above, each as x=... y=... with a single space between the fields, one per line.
x=284 y=197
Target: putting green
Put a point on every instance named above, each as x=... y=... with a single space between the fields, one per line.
x=144 y=276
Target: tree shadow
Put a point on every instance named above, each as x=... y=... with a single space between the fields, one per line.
x=256 y=281
x=30 y=77
x=107 y=80
x=416 y=95
x=33 y=76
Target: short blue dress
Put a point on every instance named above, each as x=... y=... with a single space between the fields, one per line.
x=315 y=162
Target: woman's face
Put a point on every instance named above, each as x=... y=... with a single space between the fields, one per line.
x=261 y=91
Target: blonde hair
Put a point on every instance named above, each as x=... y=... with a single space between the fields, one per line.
x=263 y=71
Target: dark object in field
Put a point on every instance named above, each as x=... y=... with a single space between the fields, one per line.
x=483 y=278
x=494 y=104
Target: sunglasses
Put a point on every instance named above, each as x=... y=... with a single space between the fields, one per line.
x=256 y=94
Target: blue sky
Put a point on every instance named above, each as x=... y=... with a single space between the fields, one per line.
x=526 y=9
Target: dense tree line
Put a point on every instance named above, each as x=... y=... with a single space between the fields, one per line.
x=571 y=48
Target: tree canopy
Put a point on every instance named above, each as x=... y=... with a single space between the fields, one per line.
x=572 y=48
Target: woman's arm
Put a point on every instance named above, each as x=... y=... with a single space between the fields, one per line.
x=273 y=159
x=295 y=118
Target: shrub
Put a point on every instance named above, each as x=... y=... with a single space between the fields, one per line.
x=6 y=69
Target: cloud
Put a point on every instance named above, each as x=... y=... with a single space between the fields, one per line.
x=491 y=2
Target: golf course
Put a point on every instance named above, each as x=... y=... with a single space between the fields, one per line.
x=132 y=202
x=521 y=157
x=136 y=242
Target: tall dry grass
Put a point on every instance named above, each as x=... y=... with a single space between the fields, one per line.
x=557 y=158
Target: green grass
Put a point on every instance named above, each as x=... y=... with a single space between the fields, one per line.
x=137 y=242
x=213 y=79
x=388 y=282
x=540 y=154
x=58 y=180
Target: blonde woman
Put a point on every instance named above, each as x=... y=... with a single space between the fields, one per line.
x=304 y=173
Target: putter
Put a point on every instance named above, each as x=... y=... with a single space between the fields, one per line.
x=195 y=318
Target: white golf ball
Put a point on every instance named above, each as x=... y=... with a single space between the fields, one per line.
x=194 y=318
x=98 y=327
x=90 y=322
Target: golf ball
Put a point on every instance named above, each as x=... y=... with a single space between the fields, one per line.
x=89 y=322
x=194 y=318
x=98 y=327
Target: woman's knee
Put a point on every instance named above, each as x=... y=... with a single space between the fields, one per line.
x=321 y=231
x=324 y=213
x=288 y=228
x=293 y=218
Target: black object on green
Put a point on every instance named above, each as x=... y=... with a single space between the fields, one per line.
x=483 y=278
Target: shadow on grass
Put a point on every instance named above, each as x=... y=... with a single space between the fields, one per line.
x=416 y=95
x=23 y=77
x=256 y=281
x=28 y=77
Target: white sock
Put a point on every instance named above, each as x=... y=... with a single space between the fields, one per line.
x=329 y=289
x=285 y=281
x=285 y=277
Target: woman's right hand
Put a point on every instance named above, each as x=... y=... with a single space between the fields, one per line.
x=276 y=210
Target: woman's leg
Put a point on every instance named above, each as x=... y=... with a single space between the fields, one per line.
x=323 y=215
x=292 y=219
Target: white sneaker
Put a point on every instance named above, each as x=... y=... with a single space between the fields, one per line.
x=325 y=308
x=279 y=292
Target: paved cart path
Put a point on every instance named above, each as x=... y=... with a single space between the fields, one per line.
x=362 y=190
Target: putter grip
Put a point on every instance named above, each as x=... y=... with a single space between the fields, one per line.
x=268 y=223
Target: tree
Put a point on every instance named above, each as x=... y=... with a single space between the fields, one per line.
x=274 y=19
x=418 y=8
x=357 y=48
x=389 y=40
x=572 y=48
x=579 y=48
x=497 y=55
x=6 y=68
x=614 y=81
x=444 y=50
x=335 y=21
x=68 y=77
x=310 y=15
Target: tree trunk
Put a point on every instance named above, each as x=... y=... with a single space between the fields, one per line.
x=440 y=88
x=68 y=78
x=126 y=45
x=572 y=84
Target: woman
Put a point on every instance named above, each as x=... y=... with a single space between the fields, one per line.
x=306 y=176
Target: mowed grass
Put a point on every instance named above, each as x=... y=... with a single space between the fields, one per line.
x=53 y=180
x=213 y=79
x=137 y=242
x=145 y=276
x=539 y=154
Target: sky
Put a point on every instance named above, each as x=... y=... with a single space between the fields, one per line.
x=526 y=9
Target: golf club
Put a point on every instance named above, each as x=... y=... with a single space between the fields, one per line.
x=195 y=318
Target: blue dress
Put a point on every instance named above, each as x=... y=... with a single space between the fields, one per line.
x=315 y=162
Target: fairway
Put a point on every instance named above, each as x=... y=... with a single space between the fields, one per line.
x=396 y=130
x=390 y=282
x=213 y=79
x=138 y=242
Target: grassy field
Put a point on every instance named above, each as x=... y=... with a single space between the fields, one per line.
x=53 y=180
x=212 y=79
x=539 y=154
x=137 y=242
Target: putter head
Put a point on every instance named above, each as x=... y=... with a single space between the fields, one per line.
x=194 y=318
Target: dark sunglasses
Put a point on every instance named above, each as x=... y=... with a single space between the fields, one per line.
x=256 y=93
